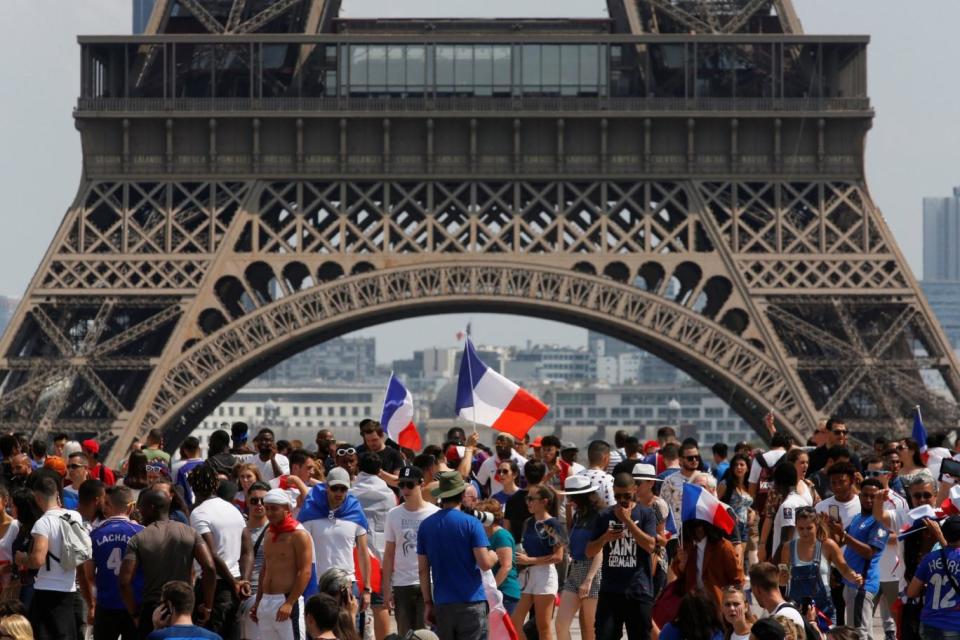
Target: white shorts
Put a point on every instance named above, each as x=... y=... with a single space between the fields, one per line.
x=270 y=629
x=539 y=580
x=248 y=628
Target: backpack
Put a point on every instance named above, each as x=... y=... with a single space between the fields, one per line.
x=76 y=548
x=765 y=483
x=810 y=631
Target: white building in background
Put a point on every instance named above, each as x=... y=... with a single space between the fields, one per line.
x=296 y=413
x=641 y=409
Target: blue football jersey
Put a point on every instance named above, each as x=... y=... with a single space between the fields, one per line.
x=109 y=546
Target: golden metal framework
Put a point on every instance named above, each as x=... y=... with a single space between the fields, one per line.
x=212 y=237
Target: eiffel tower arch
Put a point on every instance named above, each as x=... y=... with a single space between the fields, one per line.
x=686 y=175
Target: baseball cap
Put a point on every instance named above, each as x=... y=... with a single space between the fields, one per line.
x=338 y=477
x=91 y=446
x=569 y=446
x=537 y=442
x=410 y=473
x=650 y=445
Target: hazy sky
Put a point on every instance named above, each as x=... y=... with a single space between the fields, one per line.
x=912 y=150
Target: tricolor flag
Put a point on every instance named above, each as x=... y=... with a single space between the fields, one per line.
x=486 y=397
x=951 y=504
x=397 y=415
x=916 y=519
x=671 y=525
x=499 y=625
x=920 y=434
x=700 y=504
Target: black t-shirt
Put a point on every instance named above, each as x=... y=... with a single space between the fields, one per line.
x=390 y=459
x=516 y=512
x=626 y=566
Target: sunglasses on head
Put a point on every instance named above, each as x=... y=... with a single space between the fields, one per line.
x=346 y=452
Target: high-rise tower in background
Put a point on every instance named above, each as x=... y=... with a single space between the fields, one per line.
x=141 y=14
x=941 y=261
x=941 y=238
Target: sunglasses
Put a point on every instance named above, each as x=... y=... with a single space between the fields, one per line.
x=876 y=473
x=76 y=466
x=501 y=472
x=254 y=501
x=692 y=458
x=622 y=496
x=840 y=432
x=407 y=485
x=346 y=452
x=921 y=496
x=337 y=489
x=533 y=498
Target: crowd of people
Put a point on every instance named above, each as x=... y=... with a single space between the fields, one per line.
x=265 y=538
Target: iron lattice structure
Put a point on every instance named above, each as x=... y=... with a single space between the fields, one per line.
x=252 y=186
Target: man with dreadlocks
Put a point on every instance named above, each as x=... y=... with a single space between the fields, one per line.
x=223 y=529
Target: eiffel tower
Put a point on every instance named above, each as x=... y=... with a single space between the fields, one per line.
x=260 y=176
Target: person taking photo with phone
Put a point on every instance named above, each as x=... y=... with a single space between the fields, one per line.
x=626 y=534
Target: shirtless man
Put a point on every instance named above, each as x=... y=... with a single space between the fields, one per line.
x=287 y=560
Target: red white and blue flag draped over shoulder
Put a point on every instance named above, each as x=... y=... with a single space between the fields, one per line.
x=700 y=504
x=397 y=415
x=920 y=434
x=486 y=397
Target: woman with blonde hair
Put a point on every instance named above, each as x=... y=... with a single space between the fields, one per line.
x=737 y=617
x=16 y=627
x=247 y=474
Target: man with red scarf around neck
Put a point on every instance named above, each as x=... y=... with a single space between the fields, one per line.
x=287 y=561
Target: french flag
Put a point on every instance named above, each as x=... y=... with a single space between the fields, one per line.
x=699 y=504
x=397 y=415
x=486 y=397
x=920 y=434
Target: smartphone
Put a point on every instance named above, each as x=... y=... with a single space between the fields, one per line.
x=835 y=513
x=950 y=467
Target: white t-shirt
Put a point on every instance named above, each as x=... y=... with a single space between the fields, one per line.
x=224 y=522
x=603 y=480
x=6 y=542
x=488 y=468
x=401 y=529
x=771 y=457
x=672 y=492
x=789 y=612
x=848 y=510
x=891 y=562
x=56 y=578
x=266 y=466
x=786 y=517
x=333 y=543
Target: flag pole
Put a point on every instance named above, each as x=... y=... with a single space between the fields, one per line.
x=466 y=354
